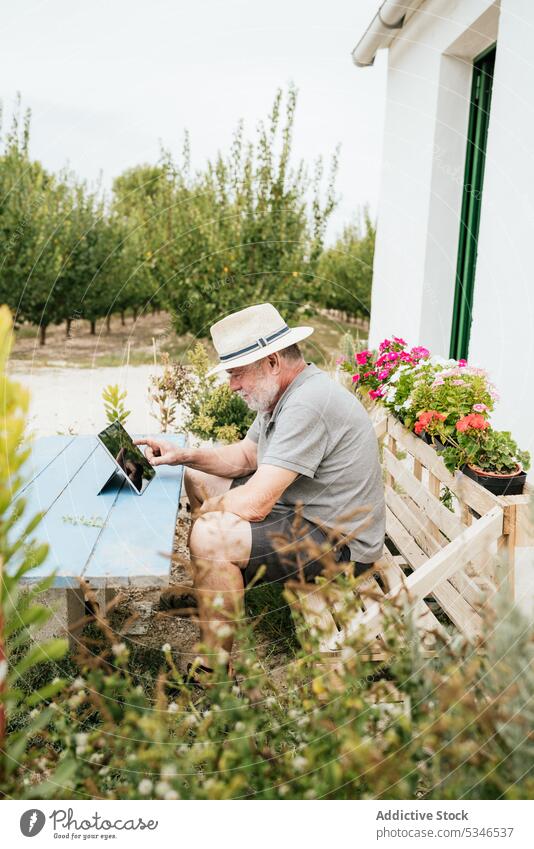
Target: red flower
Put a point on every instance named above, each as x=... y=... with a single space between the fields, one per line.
x=425 y=418
x=355 y=378
x=472 y=421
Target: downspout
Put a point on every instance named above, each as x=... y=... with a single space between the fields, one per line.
x=381 y=30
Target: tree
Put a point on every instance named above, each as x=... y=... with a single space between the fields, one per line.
x=345 y=271
x=242 y=230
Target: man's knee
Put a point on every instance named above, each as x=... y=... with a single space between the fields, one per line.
x=191 y=481
x=221 y=537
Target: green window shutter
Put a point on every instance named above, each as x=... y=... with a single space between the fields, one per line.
x=475 y=159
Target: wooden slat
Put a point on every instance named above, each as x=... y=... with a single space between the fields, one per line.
x=480 y=499
x=380 y=427
x=439 y=568
x=424 y=619
x=455 y=606
x=432 y=508
x=407 y=513
x=412 y=521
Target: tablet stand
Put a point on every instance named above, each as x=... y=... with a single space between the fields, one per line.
x=115 y=481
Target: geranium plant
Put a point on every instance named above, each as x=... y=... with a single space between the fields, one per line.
x=456 y=392
x=477 y=444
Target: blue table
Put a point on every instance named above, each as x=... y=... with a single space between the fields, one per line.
x=109 y=540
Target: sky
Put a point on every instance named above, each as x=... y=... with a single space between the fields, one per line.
x=110 y=82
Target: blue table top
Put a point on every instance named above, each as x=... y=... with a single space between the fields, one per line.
x=112 y=539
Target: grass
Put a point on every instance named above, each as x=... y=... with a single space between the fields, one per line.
x=150 y=335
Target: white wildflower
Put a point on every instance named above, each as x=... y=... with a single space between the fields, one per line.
x=168 y=771
x=283 y=790
x=223 y=657
x=162 y=788
x=34 y=713
x=78 y=683
x=191 y=720
x=171 y=794
x=224 y=631
x=118 y=649
x=240 y=727
x=270 y=701
x=173 y=708
x=300 y=763
x=166 y=647
x=145 y=787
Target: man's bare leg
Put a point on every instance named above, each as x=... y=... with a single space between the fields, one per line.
x=220 y=548
x=200 y=486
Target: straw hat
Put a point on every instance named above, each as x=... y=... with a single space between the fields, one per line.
x=251 y=334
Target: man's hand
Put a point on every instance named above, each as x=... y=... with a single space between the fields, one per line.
x=162 y=453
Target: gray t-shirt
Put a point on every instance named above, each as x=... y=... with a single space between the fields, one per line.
x=320 y=430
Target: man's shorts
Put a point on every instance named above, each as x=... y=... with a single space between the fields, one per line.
x=279 y=561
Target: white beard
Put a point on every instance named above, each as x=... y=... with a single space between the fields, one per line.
x=262 y=400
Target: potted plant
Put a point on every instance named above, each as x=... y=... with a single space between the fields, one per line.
x=490 y=457
x=455 y=392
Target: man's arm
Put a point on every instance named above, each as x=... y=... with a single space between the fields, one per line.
x=227 y=461
x=255 y=499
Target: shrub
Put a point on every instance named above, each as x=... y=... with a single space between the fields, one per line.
x=24 y=716
x=211 y=410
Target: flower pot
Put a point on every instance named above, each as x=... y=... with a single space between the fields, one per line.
x=434 y=441
x=499 y=483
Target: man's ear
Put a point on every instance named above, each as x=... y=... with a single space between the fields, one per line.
x=275 y=362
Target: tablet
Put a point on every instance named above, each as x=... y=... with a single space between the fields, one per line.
x=128 y=457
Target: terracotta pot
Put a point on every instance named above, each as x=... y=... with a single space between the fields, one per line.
x=499 y=483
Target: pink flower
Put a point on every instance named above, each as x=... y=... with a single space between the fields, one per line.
x=480 y=408
x=370 y=373
x=462 y=363
x=385 y=344
x=355 y=378
x=362 y=357
x=457 y=383
x=376 y=393
x=340 y=360
x=399 y=341
x=420 y=353
x=382 y=375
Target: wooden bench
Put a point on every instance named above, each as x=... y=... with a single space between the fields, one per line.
x=441 y=560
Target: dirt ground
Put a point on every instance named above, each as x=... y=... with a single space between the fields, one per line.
x=140 y=342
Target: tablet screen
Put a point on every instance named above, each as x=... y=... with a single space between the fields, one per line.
x=128 y=456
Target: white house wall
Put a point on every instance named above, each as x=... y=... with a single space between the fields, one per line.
x=502 y=334
x=429 y=83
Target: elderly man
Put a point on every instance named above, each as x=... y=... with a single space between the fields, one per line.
x=311 y=445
